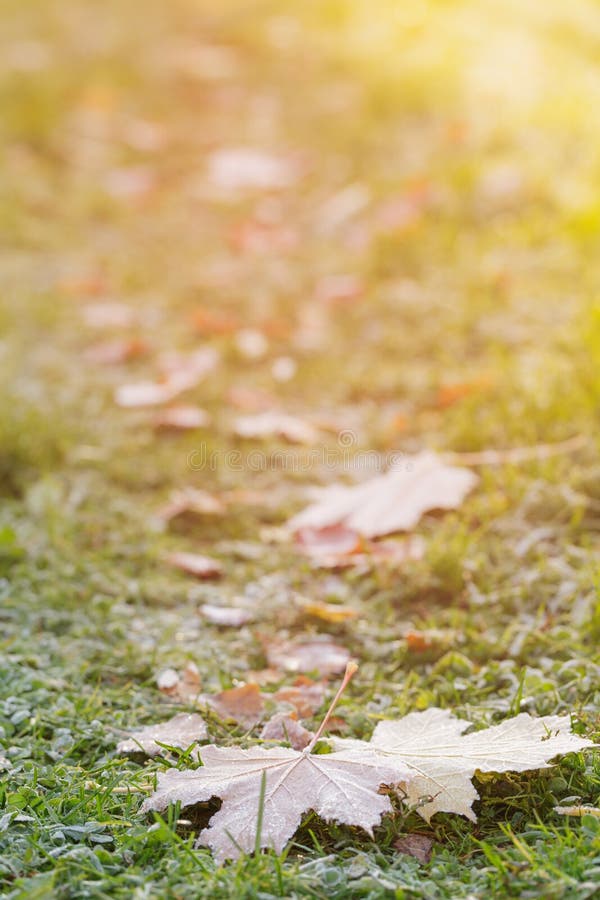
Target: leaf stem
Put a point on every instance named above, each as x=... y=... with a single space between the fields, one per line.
x=351 y=668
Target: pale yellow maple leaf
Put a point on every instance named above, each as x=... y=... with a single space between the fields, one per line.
x=443 y=760
x=391 y=502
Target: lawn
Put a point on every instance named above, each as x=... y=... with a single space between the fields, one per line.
x=403 y=255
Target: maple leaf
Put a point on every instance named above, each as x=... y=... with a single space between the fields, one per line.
x=285 y=727
x=341 y=786
x=195 y=564
x=443 y=759
x=391 y=502
x=276 y=424
x=180 y=731
x=319 y=653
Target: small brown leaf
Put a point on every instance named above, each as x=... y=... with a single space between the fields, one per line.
x=250 y=399
x=195 y=564
x=236 y=169
x=185 y=686
x=144 y=393
x=184 y=417
x=285 y=727
x=111 y=353
x=418 y=845
x=244 y=704
x=194 y=501
x=327 y=612
x=305 y=695
x=320 y=654
x=226 y=616
x=336 y=540
x=276 y=424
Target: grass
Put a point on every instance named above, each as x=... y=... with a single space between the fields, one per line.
x=480 y=118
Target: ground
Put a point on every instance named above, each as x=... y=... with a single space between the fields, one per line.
x=430 y=266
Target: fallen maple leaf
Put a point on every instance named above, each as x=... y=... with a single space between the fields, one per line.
x=319 y=654
x=337 y=547
x=195 y=564
x=179 y=373
x=335 y=540
x=276 y=424
x=184 y=417
x=192 y=500
x=417 y=845
x=244 y=704
x=265 y=793
x=305 y=695
x=184 y=687
x=391 y=502
x=180 y=731
x=226 y=616
x=235 y=169
x=327 y=612
x=443 y=759
x=286 y=727
x=111 y=353
x=339 y=786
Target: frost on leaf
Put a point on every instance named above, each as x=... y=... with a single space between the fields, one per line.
x=337 y=786
x=442 y=759
x=180 y=731
x=391 y=502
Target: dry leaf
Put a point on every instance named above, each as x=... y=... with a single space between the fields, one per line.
x=180 y=731
x=226 y=616
x=188 y=369
x=234 y=169
x=179 y=373
x=181 y=418
x=192 y=500
x=285 y=727
x=250 y=399
x=335 y=540
x=417 y=845
x=454 y=391
x=391 y=502
x=184 y=687
x=338 y=786
x=195 y=564
x=443 y=760
x=420 y=641
x=305 y=695
x=111 y=353
x=276 y=424
x=327 y=612
x=338 y=548
x=145 y=393
x=245 y=704
x=167 y=681
x=320 y=654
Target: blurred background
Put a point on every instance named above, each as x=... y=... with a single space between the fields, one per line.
x=388 y=215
